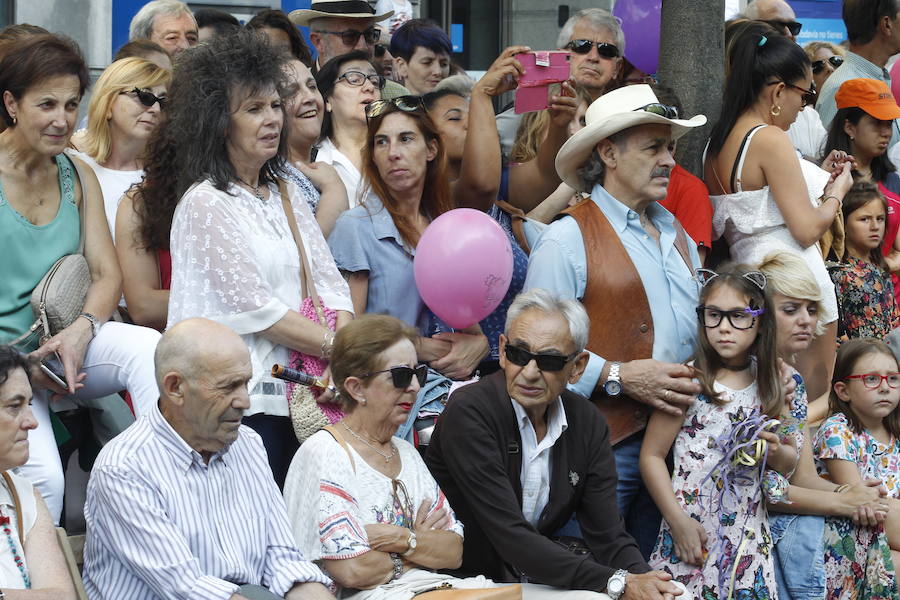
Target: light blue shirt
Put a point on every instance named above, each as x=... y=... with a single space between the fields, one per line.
x=558 y=263
x=365 y=238
x=854 y=67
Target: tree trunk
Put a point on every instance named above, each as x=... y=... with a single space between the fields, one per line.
x=691 y=61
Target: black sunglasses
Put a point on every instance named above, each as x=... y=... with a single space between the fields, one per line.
x=404 y=103
x=663 y=110
x=584 y=46
x=808 y=97
x=358 y=78
x=793 y=26
x=148 y=98
x=545 y=362
x=351 y=36
x=401 y=377
x=819 y=65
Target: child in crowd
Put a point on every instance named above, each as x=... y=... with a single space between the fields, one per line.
x=861 y=438
x=719 y=548
x=864 y=285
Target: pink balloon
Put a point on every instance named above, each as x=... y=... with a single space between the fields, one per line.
x=463 y=266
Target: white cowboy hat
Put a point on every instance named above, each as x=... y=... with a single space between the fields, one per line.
x=342 y=9
x=609 y=114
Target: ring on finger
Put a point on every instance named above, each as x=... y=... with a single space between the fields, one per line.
x=667 y=394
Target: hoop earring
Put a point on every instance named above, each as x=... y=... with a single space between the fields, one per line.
x=775 y=110
x=15 y=120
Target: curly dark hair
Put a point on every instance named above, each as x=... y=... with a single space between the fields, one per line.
x=189 y=145
x=10 y=360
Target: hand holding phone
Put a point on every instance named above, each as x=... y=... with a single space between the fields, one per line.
x=542 y=69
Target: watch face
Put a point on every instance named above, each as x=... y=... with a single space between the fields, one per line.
x=616 y=585
x=612 y=388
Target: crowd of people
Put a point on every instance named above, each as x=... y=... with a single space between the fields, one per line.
x=689 y=389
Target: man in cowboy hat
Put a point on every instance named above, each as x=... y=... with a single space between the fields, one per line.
x=339 y=26
x=631 y=264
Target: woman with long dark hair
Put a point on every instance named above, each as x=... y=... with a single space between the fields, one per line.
x=234 y=256
x=766 y=198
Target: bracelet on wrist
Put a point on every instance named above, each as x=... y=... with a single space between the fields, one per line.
x=830 y=196
x=841 y=488
x=327 y=344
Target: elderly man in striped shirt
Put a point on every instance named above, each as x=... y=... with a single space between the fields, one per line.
x=183 y=504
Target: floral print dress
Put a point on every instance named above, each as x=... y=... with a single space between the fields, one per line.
x=745 y=548
x=858 y=561
x=866 y=296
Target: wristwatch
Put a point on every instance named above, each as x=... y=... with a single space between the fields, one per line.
x=95 y=322
x=613 y=385
x=411 y=544
x=616 y=584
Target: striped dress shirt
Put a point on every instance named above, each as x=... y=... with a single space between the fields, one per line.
x=163 y=524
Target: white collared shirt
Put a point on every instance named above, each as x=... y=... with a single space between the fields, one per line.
x=536 y=456
x=349 y=174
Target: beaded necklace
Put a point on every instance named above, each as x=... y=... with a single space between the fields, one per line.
x=17 y=556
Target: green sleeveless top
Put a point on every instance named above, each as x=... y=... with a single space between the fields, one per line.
x=28 y=251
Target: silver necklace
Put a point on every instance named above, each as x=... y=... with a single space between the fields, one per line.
x=256 y=188
x=387 y=457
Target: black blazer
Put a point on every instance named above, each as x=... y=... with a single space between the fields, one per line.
x=475 y=455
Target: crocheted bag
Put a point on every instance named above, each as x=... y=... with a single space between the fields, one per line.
x=307 y=414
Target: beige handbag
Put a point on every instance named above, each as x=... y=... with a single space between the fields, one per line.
x=58 y=298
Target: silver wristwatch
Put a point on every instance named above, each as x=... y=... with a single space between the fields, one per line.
x=615 y=587
x=95 y=322
x=613 y=385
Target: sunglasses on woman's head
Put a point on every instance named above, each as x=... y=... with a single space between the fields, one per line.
x=404 y=103
x=604 y=49
x=402 y=376
x=147 y=98
x=358 y=78
x=545 y=362
x=819 y=65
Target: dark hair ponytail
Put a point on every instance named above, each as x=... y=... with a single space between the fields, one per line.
x=755 y=56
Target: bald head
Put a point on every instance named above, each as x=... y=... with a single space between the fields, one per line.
x=193 y=346
x=778 y=11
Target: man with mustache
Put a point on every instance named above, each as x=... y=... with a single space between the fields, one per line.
x=183 y=504
x=631 y=264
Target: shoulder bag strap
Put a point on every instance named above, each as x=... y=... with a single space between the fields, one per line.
x=681 y=244
x=80 y=175
x=17 y=503
x=517 y=217
x=340 y=440
x=307 y=285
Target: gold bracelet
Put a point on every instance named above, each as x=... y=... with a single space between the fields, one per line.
x=841 y=204
x=841 y=488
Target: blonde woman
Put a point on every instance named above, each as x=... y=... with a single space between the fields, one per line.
x=125 y=108
x=825 y=57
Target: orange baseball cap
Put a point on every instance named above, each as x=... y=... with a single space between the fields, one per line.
x=871 y=95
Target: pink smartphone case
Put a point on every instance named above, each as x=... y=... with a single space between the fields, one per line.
x=542 y=69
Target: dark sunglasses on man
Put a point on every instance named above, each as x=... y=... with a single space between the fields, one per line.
x=545 y=362
x=402 y=376
x=793 y=26
x=147 y=98
x=584 y=47
x=819 y=65
x=351 y=36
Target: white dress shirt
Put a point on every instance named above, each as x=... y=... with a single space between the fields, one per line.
x=162 y=523
x=536 y=456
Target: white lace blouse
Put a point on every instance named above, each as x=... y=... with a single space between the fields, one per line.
x=234 y=261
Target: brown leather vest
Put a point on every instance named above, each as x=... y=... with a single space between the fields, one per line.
x=621 y=322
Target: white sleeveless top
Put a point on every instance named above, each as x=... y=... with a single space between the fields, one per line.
x=753 y=226
x=10 y=576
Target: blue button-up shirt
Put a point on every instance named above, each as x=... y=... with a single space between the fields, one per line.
x=558 y=263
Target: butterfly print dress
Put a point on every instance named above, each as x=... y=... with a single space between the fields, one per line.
x=744 y=525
